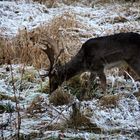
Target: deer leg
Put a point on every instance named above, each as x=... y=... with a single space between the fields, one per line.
x=91 y=79
x=102 y=78
x=92 y=76
x=135 y=65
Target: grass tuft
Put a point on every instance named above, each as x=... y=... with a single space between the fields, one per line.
x=60 y=97
x=24 y=48
x=110 y=100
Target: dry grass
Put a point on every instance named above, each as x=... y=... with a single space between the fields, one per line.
x=48 y=3
x=3 y=96
x=24 y=47
x=36 y=106
x=60 y=97
x=110 y=100
x=79 y=121
x=83 y=86
x=77 y=118
x=59 y=30
x=56 y=3
x=6 y=51
x=90 y=3
x=21 y=50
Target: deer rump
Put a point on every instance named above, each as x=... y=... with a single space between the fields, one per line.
x=97 y=54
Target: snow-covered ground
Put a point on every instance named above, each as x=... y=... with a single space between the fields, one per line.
x=40 y=119
x=37 y=114
x=101 y=20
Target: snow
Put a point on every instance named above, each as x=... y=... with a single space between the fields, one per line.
x=99 y=20
x=125 y=117
x=18 y=15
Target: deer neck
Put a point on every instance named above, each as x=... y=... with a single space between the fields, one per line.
x=75 y=66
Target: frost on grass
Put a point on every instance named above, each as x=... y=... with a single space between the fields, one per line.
x=19 y=15
x=102 y=19
x=115 y=116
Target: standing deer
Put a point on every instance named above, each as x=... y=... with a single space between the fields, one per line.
x=97 y=54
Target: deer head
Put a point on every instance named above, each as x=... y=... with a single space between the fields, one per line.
x=50 y=47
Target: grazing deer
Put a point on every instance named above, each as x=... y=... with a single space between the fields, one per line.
x=97 y=54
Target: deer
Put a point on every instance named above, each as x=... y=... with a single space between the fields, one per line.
x=94 y=56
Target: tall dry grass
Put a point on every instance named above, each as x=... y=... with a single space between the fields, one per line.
x=90 y=3
x=56 y=3
x=24 y=48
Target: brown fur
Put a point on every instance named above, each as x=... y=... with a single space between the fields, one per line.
x=99 y=53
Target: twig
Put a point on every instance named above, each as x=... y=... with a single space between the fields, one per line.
x=133 y=81
x=17 y=105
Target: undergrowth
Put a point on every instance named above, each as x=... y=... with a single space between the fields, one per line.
x=24 y=48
